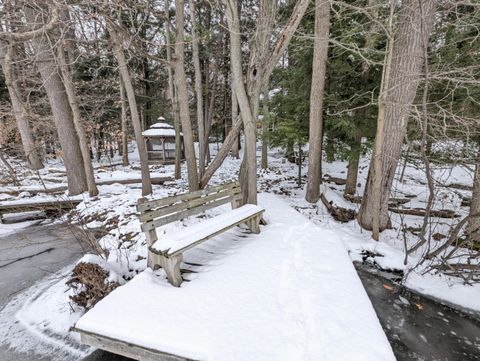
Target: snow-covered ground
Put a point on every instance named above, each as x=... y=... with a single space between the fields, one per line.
x=289 y=293
x=114 y=211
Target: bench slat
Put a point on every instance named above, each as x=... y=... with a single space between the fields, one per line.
x=186 y=213
x=191 y=236
x=144 y=206
x=161 y=212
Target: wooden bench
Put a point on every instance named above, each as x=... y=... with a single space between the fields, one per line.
x=167 y=252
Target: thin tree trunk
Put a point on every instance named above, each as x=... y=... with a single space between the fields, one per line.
x=265 y=121
x=12 y=172
x=244 y=103
x=473 y=228
x=62 y=113
x=172 y=94
x=20 y=111
x=123 y=102
x=400 y=81
x=320 y=55
x=279 y=48
x=198 y=91
x=353 y=161
x=182 y=96
x=137 y=126
x=236 y=143
x=77 y=120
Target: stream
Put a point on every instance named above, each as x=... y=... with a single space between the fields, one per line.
x=418 y=328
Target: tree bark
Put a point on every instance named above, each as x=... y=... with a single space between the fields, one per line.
x=172 y=94
x=402 y=75
x=137 y=126
x=77 y=120
x=319 y=66
x=236 y=143
x=182 y=96
x=123 y=102
x=353 y=161
x=245 y=110
x=265 y=121
x=198 y=92
x=62 y=113
x=473 y=228
x=262 y=77
x=20 y=111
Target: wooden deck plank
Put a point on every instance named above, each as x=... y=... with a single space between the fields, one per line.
x=125 y=349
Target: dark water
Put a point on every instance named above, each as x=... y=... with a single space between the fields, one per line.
x=418 y=328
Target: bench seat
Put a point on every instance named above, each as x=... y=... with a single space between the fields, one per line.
x=180 y=241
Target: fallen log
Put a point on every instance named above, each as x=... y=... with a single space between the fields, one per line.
x=440 y=213
x=338 y=181
x=392 y=202
x=61 y=189
x=49 y=207
x=340 y=214
x=462 y=187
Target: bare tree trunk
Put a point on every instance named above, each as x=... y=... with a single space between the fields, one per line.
x=320 y=55
x=182 y=96
x=77 y=120
x=172 y=94
x=353 y=160
x=62 y=113
x=244 y=103
x=12 y=172
x=401 y=78
x=198 y=92
x=236 y=145
x=20 y=111
x=259 y=76
x=123 y=102
x=265 y=121
x=473 y=228
x=137 y=126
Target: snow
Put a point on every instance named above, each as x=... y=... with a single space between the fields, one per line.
x=160 y=129
x=161 y=125
x=290 y=293
x=159 y=132
x=44 y=312
x=6 y=229
x=447 y=290
x=178 y=240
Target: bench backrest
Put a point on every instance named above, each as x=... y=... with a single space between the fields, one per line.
x=159 y=212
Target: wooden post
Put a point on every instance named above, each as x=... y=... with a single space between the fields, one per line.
x=163 y=148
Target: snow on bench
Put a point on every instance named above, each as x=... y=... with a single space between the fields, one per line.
x=168 y=251
x=290 y=293
x=186 y=238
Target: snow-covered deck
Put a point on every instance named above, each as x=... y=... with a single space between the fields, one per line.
x=289 y=293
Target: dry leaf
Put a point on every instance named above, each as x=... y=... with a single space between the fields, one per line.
x=388 y=287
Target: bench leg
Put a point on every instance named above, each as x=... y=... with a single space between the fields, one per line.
x=152 y=259
x=171 y=265
x=254 y=225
